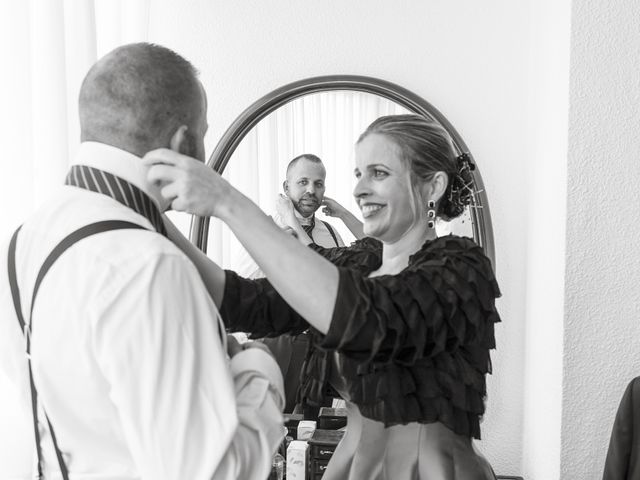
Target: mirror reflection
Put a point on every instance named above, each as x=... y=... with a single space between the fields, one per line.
x=319 y=131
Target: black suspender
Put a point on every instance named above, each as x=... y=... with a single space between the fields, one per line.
x=27 y=328
x=335 y=240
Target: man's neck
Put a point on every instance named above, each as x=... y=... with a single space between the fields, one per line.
x=303 y=220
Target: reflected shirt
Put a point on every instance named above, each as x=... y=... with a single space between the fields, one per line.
x=245 y=265
x=127 y=352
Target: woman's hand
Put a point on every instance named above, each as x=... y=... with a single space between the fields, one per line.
x=190 y=185
x=332 y=208
x=284 y=209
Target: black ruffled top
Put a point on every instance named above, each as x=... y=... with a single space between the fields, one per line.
x=412 y=347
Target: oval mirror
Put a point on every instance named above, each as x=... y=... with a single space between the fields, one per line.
x=323 y=116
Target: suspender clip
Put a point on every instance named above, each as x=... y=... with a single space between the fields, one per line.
x=27 y=340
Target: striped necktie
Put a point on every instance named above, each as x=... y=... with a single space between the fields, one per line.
x=124 y=192
x=309 y=228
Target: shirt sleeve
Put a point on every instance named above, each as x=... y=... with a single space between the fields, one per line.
x=260 y=400
x=440 y=303
x=255 y=306
x=186 y=411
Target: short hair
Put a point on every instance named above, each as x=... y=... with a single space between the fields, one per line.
x=138 y=94
x=306 y=156
x=427 y=148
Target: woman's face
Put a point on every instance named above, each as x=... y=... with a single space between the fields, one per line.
x=383 y=190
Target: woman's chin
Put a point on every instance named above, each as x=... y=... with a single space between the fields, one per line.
x=372 y=230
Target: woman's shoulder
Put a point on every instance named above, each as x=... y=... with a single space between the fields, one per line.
x=449 y=245
x=452 y=248
x=455 y=262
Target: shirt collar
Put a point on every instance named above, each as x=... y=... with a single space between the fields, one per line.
x=303 y=220
x=121 y=163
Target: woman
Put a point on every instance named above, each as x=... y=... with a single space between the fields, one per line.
x=403 y=320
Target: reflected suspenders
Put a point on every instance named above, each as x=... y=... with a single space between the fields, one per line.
x=331 y=232
x=27 y=328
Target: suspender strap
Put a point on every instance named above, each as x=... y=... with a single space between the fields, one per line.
x=72 y=238
x=27 y=329
x=15 y=294
x=13 y=282
x=335 y=240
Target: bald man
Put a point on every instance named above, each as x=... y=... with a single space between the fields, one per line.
x=126 y=352
x=305 y=187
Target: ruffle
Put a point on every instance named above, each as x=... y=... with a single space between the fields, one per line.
x=255 y=306
x=415 y=346
x=363 y=255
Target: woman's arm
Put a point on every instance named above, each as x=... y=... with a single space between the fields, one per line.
x=334 y=209
x=245 y=305
x=308 y=282
x=212 y=275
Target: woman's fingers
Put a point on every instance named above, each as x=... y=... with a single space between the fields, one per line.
x=189 y=184
x=164 y=156
x=161 y=174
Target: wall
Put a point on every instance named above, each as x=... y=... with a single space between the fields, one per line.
x=602 y=324
x=546 y=153
x=468 y=58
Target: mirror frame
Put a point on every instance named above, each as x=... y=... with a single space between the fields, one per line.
x=479 y=208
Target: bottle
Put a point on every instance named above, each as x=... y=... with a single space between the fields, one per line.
x=277 y=467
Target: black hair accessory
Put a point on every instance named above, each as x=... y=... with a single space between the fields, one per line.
x=464 y=162
x=461 y=190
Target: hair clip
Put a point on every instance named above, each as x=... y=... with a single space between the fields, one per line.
x=464 y=162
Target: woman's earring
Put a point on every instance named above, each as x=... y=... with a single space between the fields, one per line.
x=431 y=213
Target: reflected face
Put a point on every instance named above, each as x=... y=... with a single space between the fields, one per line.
x=383 y=189
x=305 y=186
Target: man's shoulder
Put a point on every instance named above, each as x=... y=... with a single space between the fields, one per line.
x=72 y=210
x=333 y=237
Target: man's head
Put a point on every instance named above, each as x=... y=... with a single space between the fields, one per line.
x=140 y=97
x=305 y=183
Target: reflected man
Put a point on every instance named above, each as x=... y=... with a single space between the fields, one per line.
x=305 y=187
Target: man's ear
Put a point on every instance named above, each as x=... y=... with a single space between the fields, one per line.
x=179 y=140
x=285 y=186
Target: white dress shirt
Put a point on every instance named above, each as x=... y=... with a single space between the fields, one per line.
x=320 y=233
x=127 y=352
x=245 y=266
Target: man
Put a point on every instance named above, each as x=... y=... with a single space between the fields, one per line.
x=126 y=349
x=305 y=187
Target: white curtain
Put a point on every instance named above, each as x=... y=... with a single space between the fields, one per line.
x=326 y=124
x=46 y=47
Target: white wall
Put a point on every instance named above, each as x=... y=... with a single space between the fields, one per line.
x=467 y=58
x=548 y=94
x=602 y=324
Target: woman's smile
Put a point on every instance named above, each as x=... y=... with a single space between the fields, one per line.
x=370 y=209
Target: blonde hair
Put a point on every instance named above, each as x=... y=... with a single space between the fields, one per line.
x=427 y=148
